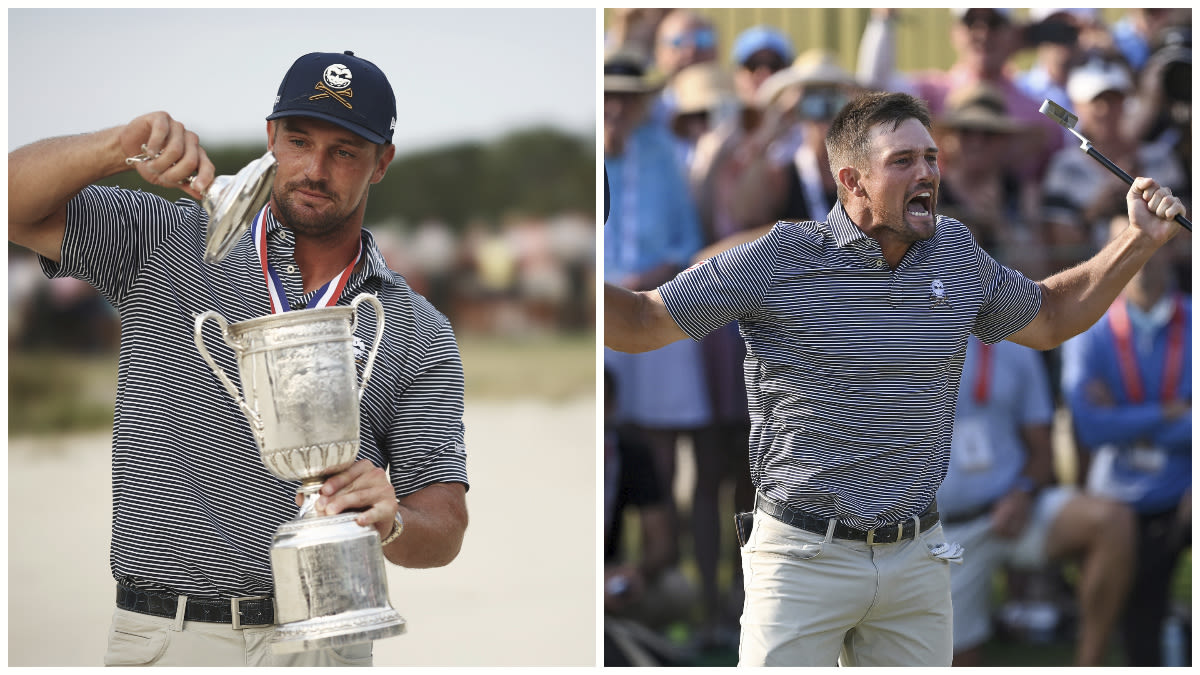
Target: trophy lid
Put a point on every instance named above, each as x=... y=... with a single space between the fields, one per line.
x=232 y=202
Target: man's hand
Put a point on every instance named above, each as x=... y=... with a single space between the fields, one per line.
x=1152 y=209
x=1011 y=513
x=173 y=154
x=362 y=487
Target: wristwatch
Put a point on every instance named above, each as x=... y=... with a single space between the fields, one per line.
x=397 y=528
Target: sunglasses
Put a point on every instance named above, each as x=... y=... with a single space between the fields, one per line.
x=992 y=20
x=772 y=63
x=704 y=38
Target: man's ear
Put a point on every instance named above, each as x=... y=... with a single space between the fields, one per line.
x=850 y=179
x=271 y=135
x=385 y=158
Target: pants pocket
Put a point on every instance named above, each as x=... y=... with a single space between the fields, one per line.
x=133 y=641
x=774 y=539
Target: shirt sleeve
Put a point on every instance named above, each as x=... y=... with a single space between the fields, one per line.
x=425 y=443
x=112 y=232
x=1010 y=299
x=728 y=286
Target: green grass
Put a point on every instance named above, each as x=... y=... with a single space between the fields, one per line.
x=551 y=367
x=50 y=392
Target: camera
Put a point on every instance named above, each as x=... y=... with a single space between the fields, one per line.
x=1173 y=58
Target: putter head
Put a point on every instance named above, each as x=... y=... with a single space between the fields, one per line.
x=1065 y=118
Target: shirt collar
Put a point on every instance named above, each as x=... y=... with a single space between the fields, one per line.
x=372 y=264
x=845 y=232
x=847 y=235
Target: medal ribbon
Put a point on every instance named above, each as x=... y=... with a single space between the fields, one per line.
x=1127 y=360
x=983 y=373
x=325 y=296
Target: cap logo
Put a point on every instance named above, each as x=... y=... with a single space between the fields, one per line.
x=337 y=76
x=335 y=84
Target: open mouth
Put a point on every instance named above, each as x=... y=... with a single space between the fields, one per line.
x=920 y=205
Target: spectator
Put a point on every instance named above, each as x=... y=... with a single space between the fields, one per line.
x=723 y=154
x=1161 y=112
x=1080 y=195
x=984 y=40
x=651 y=235
x=979 y=187
x=642 y=595
x=1055 y=35
x=1135 y=33
x=684 y=38
x=998 y=502
x=1126 y=381
x=633 y=30
x=703 y=98
x=799 y=101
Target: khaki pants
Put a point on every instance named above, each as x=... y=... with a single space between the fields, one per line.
x=142 y=640
x=812 y=600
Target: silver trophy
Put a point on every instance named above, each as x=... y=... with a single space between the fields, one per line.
x=231 y=202
x=301 y=397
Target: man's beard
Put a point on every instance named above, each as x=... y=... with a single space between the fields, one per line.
x=314 y=225
x=897 y=220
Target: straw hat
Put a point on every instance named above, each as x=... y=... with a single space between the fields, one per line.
x=978 y=107
x=625 y=72
x=701 y=87
x=815 y=66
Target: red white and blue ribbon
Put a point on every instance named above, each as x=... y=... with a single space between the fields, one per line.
x=324 y=297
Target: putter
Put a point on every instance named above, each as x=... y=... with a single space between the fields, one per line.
x=1066 y=119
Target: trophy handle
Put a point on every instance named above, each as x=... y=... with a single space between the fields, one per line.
x=255 y=423
x=368 y=297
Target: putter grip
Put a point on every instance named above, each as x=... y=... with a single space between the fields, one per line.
x=1120 y=173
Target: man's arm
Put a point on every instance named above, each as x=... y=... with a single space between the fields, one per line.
x=435 y=517
x=44 y=176
x=637 y=321
x=1074 y=299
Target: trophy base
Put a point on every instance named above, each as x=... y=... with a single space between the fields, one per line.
x=346 y=628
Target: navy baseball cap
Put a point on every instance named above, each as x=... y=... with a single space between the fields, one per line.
x=351 y=92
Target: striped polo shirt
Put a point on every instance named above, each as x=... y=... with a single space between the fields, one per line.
x=852 y=368
x=194 y=508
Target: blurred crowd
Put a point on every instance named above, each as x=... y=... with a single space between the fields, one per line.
x=709 y=139
x=522 y=277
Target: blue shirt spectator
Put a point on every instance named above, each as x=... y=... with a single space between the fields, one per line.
x=652 y=219
x=1003 y=388
x=1142 y=456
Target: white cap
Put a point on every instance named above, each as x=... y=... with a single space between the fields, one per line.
x=1096 y=77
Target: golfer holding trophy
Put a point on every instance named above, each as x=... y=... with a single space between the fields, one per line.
x=289 y=410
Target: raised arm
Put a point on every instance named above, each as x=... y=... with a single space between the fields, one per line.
x=1074 y=299
x=637 y=321
x=44 y=176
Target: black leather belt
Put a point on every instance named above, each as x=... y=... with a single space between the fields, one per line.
x=885 y=534
x=241 y=612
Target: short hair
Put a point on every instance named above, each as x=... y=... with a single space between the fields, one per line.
x=849 y=139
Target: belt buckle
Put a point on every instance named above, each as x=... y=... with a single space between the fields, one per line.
x=871 y=537
x=237 y=612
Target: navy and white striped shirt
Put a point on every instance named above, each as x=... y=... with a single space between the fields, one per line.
x=194 y=508
x=852 y=368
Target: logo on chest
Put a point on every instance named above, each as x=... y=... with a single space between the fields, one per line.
x=937 y=294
